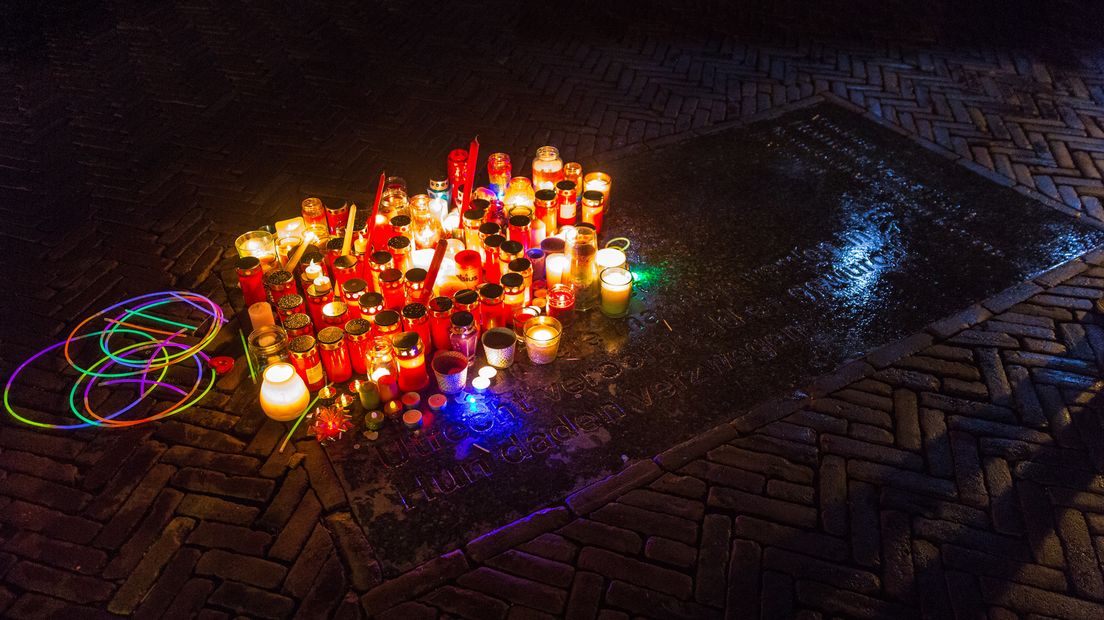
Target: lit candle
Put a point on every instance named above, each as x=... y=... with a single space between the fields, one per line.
x=387 y=383
x=598 y=182
x=284 y=395
x=285 y=247
x=610 y=257
x=295 y=227
x=542 y=339
x=259 y=244
x=260 y=314
x=616 y=290
x=554 y=267
x=410 y=355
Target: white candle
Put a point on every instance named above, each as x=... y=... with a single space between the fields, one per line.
x=284 y=395
x=488 y=372
x=554 y=267
x=290 y=228
x=260 y=314
x=537 y=232
x=609 y=257
x=542 y=342
x=616 y=290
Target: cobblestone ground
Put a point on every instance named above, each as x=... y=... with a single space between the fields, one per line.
x=957 y=472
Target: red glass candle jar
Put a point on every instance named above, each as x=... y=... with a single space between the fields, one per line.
x=544 y=209
x=573 y=171
x=469 y=268
x=304 y=356
x=399 y=247
x=333 y=251
x=457 y=173
x=391 y=285
x=466 y=300
x=492 y=270
x=519 y=230
x=387 y=323
x=561 y=302
x=510 y=250
x=335 y=314
x=358 y=337
x=566 y=203
x=290 y=304
x=279 y=283
x=351 y=293
x=499 y=172
x=490 y=307
x=319 y=293
x=334 y=354
x=513 y=295
x=486 y=229
x=592 y=208
x=337 y=218
x=309 y=270
x=400 y=225
x=370 y=305
x=378 y=262
x=251 y=280
x=298 y=325
x=414 y=283
x=416 y=319
x=410 y=356
x=471 y=221
x=525 y=268
x=345 y=268
x=440 y=310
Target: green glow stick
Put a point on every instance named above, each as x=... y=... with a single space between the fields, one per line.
x=248 y=358
x=300 y=419
x=162 y=320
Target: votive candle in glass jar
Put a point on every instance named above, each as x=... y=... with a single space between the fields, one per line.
x=472 y=220
x=440 y=310
x=457 y=173
x=566 y=203
x=279 y=283
x=319 y=293
x=486 y=229
x=610 y=257
x=426 y=229
x=382 y=369
x=573 y=171
x=391 y=285
x=286 y=246
x=259 y=244
x=519 y=192
x=499 y=172
x=251 y=280
x=387 y=323
x=378 y=262
x=519 y=230
x=351 y=292
x=314 y=216
x=469 y=268
x=555 y=265
x=542 y=339
x=414 y=284
x=298 y=325
x=616 y=291
x=291 y=304
x=521 y=317
x=490 y=306
x=416 y=319
x=536 y=259
x=583 y=274
x=492 y=269
x=592 y=208
x=513 y=295
x=400 y=225
x=547 y=167
x=333 y=250
x=599 y=182
x=466 y=300
x=283 y=394
x=464 y=335
x=410 y=356
x=345 y=268
x=499 y=345
x=525 y=268
x=561 y=301
x=370 y=305
x=267 y=346
x=510 y=251
x=335 y=354
x=307 y=362
x=337 y=218
x=400 y=250
x=544 y=209
x=358 y=337
x=335 y=313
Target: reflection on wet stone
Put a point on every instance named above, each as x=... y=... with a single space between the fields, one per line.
x=765 y=256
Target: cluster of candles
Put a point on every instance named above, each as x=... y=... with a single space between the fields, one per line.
x=340 y=296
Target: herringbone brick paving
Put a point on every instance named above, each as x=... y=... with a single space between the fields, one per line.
x=963 y=479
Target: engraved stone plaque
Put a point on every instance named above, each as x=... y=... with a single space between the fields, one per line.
x=765 y=256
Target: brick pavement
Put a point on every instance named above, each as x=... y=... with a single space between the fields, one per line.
x=955 y=472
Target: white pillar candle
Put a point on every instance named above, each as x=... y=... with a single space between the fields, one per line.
x=260 y=314
x=554 y=267
x=616 y=290
x=537 y=232
x=610 y=257
x=284 y=395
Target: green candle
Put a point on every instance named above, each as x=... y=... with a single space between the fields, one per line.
x=369 y=395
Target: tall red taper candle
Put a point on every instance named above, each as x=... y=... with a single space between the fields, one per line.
x=434 y=267
x=377 y=239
